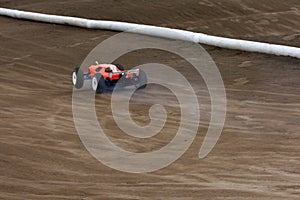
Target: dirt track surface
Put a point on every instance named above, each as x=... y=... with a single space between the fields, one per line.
x=257 y=155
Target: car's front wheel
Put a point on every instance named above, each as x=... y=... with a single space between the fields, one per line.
x=77 y=78
x=98 y=83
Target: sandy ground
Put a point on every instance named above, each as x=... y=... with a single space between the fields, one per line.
x=256 y=157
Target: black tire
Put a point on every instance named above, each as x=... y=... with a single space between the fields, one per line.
x=120 y=67
x=98 y=83
x=77 y=78
x=143 y=81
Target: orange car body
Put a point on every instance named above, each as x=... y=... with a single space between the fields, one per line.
x=105 y=76
x=113 y=74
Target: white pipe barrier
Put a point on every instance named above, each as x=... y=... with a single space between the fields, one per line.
x=169 y=33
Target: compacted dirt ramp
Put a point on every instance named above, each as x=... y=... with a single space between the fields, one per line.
x=256 y=157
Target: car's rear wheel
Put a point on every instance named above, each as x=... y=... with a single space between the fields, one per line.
x=77 y=78
x=143 y=81
x=98 y=83
x=120 y=67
